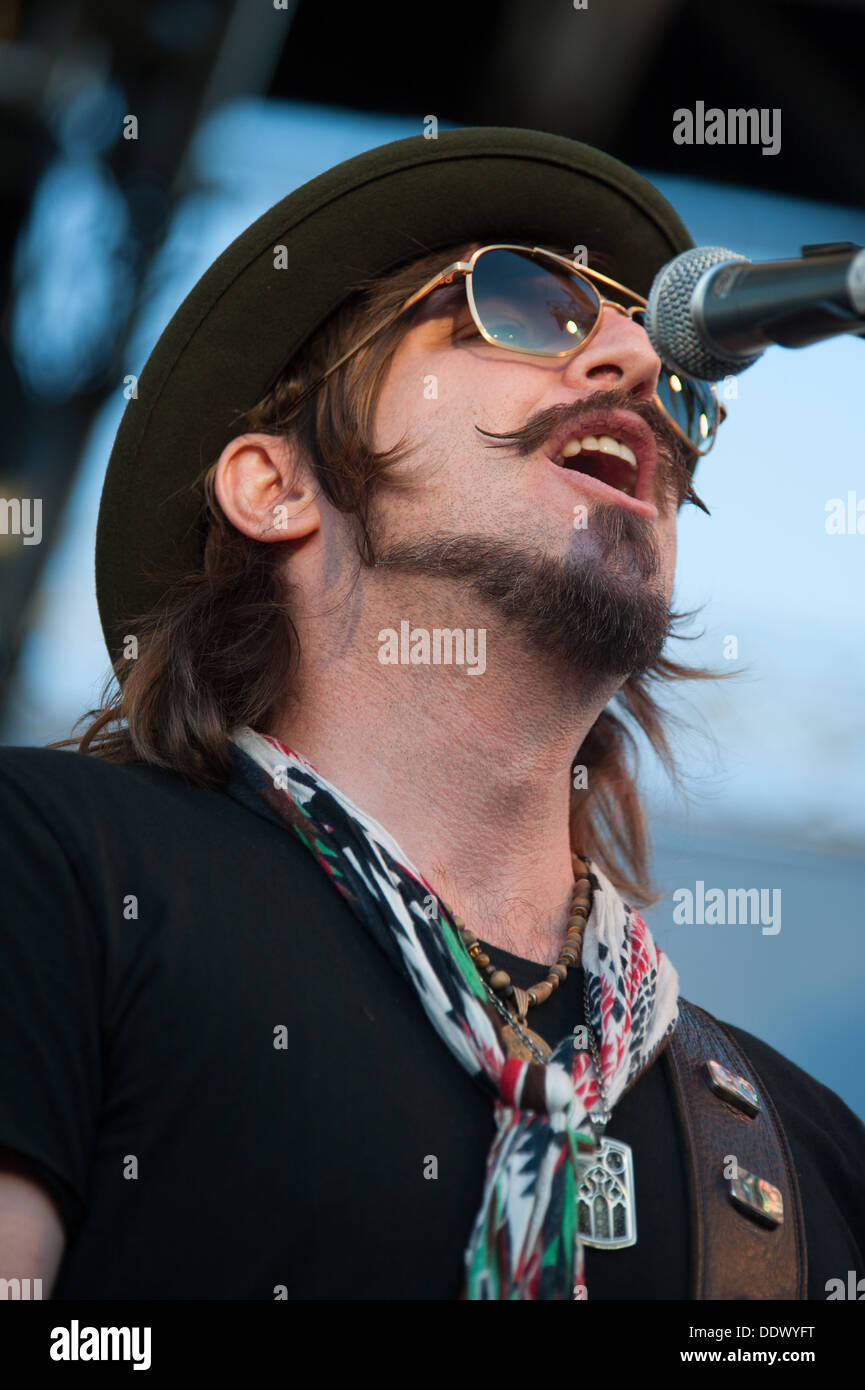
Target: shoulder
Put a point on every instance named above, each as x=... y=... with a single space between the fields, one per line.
x=795 y=1086
x=75 y=794
x=104 y=822
x=77 y=824
x=790 y=1086
x=35 y=773
x=827 y=1145
x=826 y=1136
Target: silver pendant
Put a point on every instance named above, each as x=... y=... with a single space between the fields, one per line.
x=606 y=1211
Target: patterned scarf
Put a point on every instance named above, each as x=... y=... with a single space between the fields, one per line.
x=525 y=1242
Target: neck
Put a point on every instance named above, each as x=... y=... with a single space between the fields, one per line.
x=470 y=773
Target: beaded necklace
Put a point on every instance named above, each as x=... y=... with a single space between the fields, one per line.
x=513 y=1003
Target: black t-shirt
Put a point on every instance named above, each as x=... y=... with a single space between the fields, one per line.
x=155 y=937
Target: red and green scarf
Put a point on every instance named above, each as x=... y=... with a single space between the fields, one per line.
x=524 y=1243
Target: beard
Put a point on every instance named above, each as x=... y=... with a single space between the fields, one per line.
x=601 y=609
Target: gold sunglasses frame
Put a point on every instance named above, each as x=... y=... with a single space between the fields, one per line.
x=449 y=274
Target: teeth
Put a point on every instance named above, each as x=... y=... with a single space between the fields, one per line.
x=608 y=445
x=603 y=444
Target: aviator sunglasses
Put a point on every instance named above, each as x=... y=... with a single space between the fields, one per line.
x=529 y=300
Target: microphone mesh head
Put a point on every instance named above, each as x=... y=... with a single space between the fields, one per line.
x=670 y=324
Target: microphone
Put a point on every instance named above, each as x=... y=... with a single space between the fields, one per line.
x=712 y=313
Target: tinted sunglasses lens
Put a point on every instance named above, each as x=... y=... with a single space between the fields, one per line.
x=692 y=406
x=530 y=306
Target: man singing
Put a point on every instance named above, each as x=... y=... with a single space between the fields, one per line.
x=324 y=978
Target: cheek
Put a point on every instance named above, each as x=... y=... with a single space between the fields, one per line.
x=418 y=402
x=393 y=415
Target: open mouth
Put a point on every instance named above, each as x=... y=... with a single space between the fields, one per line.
x=613 y=448
x=604 y=457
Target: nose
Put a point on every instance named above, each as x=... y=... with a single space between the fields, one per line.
x=618 y=356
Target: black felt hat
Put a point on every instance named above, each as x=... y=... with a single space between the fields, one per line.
x=245 y=318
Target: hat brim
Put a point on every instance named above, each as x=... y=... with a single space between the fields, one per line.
x=245 y=318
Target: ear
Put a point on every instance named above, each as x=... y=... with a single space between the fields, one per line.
x=265 y=491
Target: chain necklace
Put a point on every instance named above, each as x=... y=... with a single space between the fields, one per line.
x=606 y=1214
x=513 y=1003
x=527 y=1037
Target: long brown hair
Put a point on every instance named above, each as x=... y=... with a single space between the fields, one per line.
x=221 y=650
